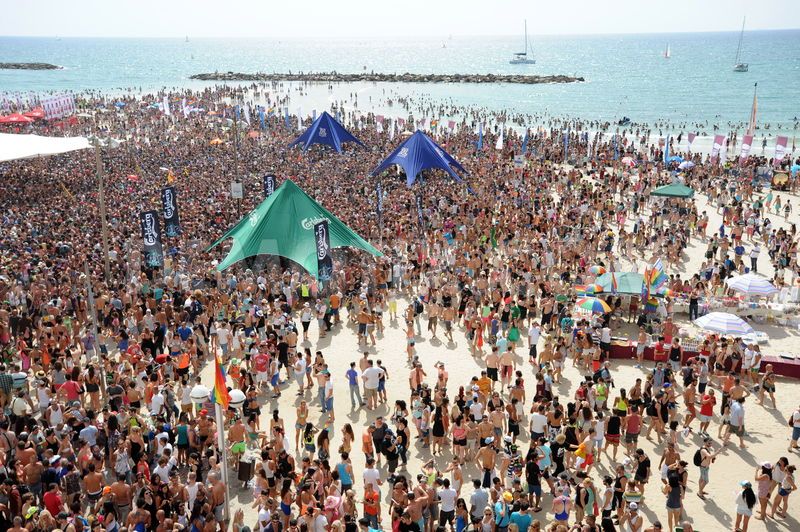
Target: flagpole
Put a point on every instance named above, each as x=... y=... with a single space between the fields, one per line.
x=220 y=418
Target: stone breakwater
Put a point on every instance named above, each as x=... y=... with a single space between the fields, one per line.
x=335 y=77
x=28 y=66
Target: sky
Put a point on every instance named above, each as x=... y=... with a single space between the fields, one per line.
x=376 y=18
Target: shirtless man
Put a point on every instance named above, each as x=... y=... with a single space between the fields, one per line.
x=507 y=367
x=486 y=457
x=218 y=499
x=33 y=477
x=433 y=317
x=492 y=365
x=236 y=439
x=448 y=315
x=668 y=457
x=122 y=497
x=93 y=484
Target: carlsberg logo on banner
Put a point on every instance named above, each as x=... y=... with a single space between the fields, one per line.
x=324 y=259
x=149 y=234
x=169 y=203
x=308 y=223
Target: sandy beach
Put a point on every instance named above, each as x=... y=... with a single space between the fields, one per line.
x=767 y=432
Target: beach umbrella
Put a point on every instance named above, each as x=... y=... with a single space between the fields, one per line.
x=253 y=134
x=593 y=289
x=36 y=114
x=675 y=190
x=628 y=161
x=724 y=323
x=215 y=142
x=794 y=169
x=752 y=285
x=119 y=105
x=15 y=118
x=675 y=159
x=593 y=304
x=686 y=165
x=596 y=270
x=561 y=298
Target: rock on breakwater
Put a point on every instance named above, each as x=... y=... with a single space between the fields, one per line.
x=334 y=77
x=29 y=66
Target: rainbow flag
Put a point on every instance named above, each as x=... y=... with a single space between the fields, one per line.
x=221 y=395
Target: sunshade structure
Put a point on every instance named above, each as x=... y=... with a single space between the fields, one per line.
x=283 y=225
x=751 y=285
x=417 y=153
x=15 y=118
x=593 y=304
x=628 y=283
x=675 y=190
x=325 y=130
x=26 y=146
x=724 y=323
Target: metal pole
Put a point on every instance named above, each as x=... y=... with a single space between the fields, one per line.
x=223 y=449
x=92 y=309
x=103 y=220
x=236 y=158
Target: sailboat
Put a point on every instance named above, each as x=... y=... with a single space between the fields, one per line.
x=667 y=53
x=739 y=66
x=521 y=58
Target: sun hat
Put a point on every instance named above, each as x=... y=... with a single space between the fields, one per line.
x=507 y=496
x=633 y=506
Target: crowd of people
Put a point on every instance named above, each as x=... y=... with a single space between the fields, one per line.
x=99 y=431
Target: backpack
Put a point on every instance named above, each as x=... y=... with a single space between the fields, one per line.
x=698 y=458
x=419 y=308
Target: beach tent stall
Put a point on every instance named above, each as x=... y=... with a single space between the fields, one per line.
x=628 y=283
x=675 y=190
x=27 y=146
x=327 y=131
x=283 y=225
x=417 y=153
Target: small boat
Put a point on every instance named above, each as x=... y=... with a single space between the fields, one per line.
x=739 y=66
x=667 y=53
x=187 y=38
x=521 y=58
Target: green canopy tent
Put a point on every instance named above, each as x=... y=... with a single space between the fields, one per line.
x=628 y=283
x=283 y=225
x=675 y=190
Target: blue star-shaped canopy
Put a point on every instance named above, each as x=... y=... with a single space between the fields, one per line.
x=417 y=153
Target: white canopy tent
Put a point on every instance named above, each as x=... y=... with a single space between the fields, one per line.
x=26 y=146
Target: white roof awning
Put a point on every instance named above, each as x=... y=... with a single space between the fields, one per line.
x=14 y=147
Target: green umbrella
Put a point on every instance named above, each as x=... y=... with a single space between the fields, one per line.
x=675 y=190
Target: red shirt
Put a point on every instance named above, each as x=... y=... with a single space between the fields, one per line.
x=72 y=390
x=707 y=408
x=633 y=424
x=53 y=502
x=261 y=362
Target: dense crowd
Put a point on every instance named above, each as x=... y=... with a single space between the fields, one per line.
x=98 y=430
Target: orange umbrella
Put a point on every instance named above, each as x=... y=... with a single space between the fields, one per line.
x=216 y=141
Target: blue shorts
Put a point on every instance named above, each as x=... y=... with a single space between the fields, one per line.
x=535 y=490
x=796 y=433
x=381 y=386
x=329 y=404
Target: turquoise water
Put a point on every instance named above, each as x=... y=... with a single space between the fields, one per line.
x=626 y=75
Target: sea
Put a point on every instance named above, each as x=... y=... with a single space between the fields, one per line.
x=625 y=75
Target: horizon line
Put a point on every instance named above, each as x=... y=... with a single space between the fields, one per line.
x=341 y=37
